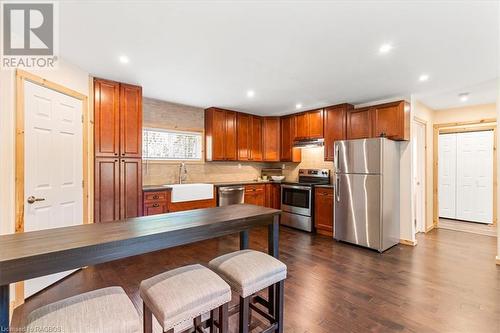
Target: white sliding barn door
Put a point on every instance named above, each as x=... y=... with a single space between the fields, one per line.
x=53 y=166
x=475 y=176
x=447 y=175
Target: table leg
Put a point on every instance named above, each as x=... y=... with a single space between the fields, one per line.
x=4 y=308
x=244 y=240
x=273 y=249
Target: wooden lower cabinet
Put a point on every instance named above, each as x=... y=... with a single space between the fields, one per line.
x=156 y=202
x=117 y=188
x=323 y=210
x=273 y=196
x=255 y=194
x=159 y=202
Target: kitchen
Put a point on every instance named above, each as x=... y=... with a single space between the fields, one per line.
x=237 y=174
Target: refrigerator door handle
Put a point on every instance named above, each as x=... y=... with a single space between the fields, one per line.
x=336 y=165
x=337 y=188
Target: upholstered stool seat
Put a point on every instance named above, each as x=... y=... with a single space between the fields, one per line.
x=183 y=294
x=248 y=272
x=102 y=310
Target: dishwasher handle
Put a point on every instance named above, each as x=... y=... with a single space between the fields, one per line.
x=230 y=189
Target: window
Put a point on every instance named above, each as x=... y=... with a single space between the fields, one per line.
x=160 y=144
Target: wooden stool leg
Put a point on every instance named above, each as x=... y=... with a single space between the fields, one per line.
x=147 y=319
x=213 y=314
x=244 y=313
x=280 y=297
x=224 y=318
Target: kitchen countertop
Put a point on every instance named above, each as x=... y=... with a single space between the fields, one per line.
x=167 y=187
x=325 y=186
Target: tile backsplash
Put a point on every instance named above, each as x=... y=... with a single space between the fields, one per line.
x=312 y=158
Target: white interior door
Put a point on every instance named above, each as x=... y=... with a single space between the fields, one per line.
x=475 y=176
x=447 y=175
x=419 y=176
x=53 y=166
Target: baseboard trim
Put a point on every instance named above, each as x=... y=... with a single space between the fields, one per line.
x=408 y=242
x=498 y=260
x=429 y=228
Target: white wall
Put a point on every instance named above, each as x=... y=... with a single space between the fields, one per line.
x=67 y=75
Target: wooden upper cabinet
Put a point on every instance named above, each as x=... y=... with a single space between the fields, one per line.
x=106 y=118
x=244 y=128
x=230 y=136
x=271 y=139
x=315 y=126
x=130 y=121
x=256 y=141
x=287 y=152
x=392 y=120
x=359 y=124
x=301 y=126
x=249 y=136
x=335 y=127
x=220 y=135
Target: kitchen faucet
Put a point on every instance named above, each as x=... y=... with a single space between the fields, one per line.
x=182 y=172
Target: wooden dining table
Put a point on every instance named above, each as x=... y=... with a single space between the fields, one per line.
x=33 y=254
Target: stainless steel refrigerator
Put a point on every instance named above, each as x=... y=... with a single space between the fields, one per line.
x=366 y=207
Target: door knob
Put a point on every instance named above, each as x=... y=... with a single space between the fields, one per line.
x=31 y=199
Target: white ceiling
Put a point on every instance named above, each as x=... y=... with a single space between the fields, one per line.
x=315 y=53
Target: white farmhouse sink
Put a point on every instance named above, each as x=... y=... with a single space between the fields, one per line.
x=191 y=192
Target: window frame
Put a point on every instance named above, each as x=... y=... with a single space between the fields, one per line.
x=176 y=130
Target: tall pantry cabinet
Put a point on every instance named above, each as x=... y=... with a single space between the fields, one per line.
x=118 y=150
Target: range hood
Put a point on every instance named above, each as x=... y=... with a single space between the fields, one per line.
x=309 y=143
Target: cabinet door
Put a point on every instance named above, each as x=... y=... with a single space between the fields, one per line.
x=315 y=124
x=271 y=139
x=243 y=133
x=301 y=126
x=389 y=121
x=215 y=127
x=323 y=211
x=130 y=187
x=255 y=195
x=256 y=141
x=287 y=152
x=335 y=128
x=130 y=121
x=230 y=149
x=153 y=208
x=359 y=124
x=106 y=118
x=106 y=189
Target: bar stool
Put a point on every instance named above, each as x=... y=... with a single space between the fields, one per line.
x=182 y=295
x=248 y=272
x=102 y=310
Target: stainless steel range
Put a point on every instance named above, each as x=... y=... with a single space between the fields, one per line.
x=297 y=203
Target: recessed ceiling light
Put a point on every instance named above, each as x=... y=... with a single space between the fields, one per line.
x=298 y=106
x=124 y=59
x=423 y=77
x=250 y=93
x=385 y=48
x=463 y=97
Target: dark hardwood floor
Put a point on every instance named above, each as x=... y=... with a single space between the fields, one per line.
x=447 y=283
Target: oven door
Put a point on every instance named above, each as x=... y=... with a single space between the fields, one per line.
x=296 y=199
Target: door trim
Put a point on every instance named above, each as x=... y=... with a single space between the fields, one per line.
x=21 y=78
x=425 y=124
x=460 y=127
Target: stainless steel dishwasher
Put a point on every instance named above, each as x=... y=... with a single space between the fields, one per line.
x=230 y=195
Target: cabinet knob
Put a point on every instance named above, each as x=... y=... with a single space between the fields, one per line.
x=155 y=196
x=156 y=205
x=116 y=154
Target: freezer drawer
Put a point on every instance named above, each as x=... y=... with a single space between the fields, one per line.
x=357 y=212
